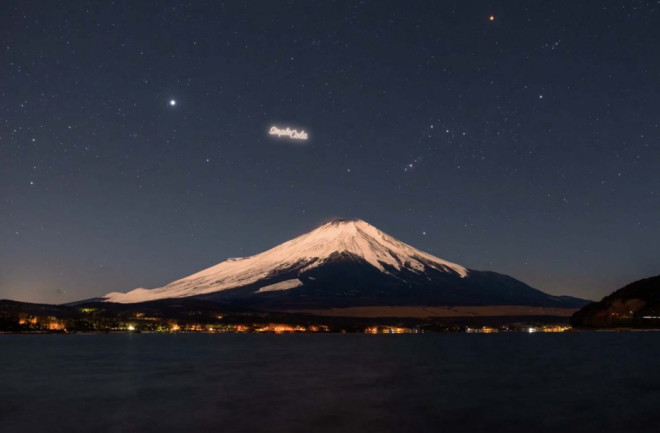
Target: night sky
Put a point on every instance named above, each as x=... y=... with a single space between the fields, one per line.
x=514 y=136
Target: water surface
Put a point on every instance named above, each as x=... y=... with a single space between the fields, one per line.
x=577 y=382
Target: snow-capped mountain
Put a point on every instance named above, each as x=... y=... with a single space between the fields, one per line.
x=346 y=263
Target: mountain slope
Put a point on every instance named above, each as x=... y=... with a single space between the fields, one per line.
x=635 y=305
x=346 y=263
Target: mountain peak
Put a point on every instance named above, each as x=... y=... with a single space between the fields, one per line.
x=345 y=263
x=344 y=237
x=343 y=222
x=350 y=227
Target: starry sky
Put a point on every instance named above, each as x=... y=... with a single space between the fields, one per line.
x=514 y=136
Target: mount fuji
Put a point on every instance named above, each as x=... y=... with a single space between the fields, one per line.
x=346 y=263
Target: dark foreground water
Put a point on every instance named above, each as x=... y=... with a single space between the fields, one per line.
x=578 y=382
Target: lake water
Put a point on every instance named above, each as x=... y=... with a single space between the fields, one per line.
x=576 y=382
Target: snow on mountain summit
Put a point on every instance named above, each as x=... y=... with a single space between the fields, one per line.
x=353 y=237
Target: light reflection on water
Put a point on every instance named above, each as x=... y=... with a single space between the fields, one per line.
x=576 y=382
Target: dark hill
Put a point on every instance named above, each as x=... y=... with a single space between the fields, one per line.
x=636 y=305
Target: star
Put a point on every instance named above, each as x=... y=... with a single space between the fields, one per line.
x=491 y=18
x=172 y=102
x=409 y=166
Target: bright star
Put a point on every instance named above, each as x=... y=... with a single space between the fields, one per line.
x=172 y=102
